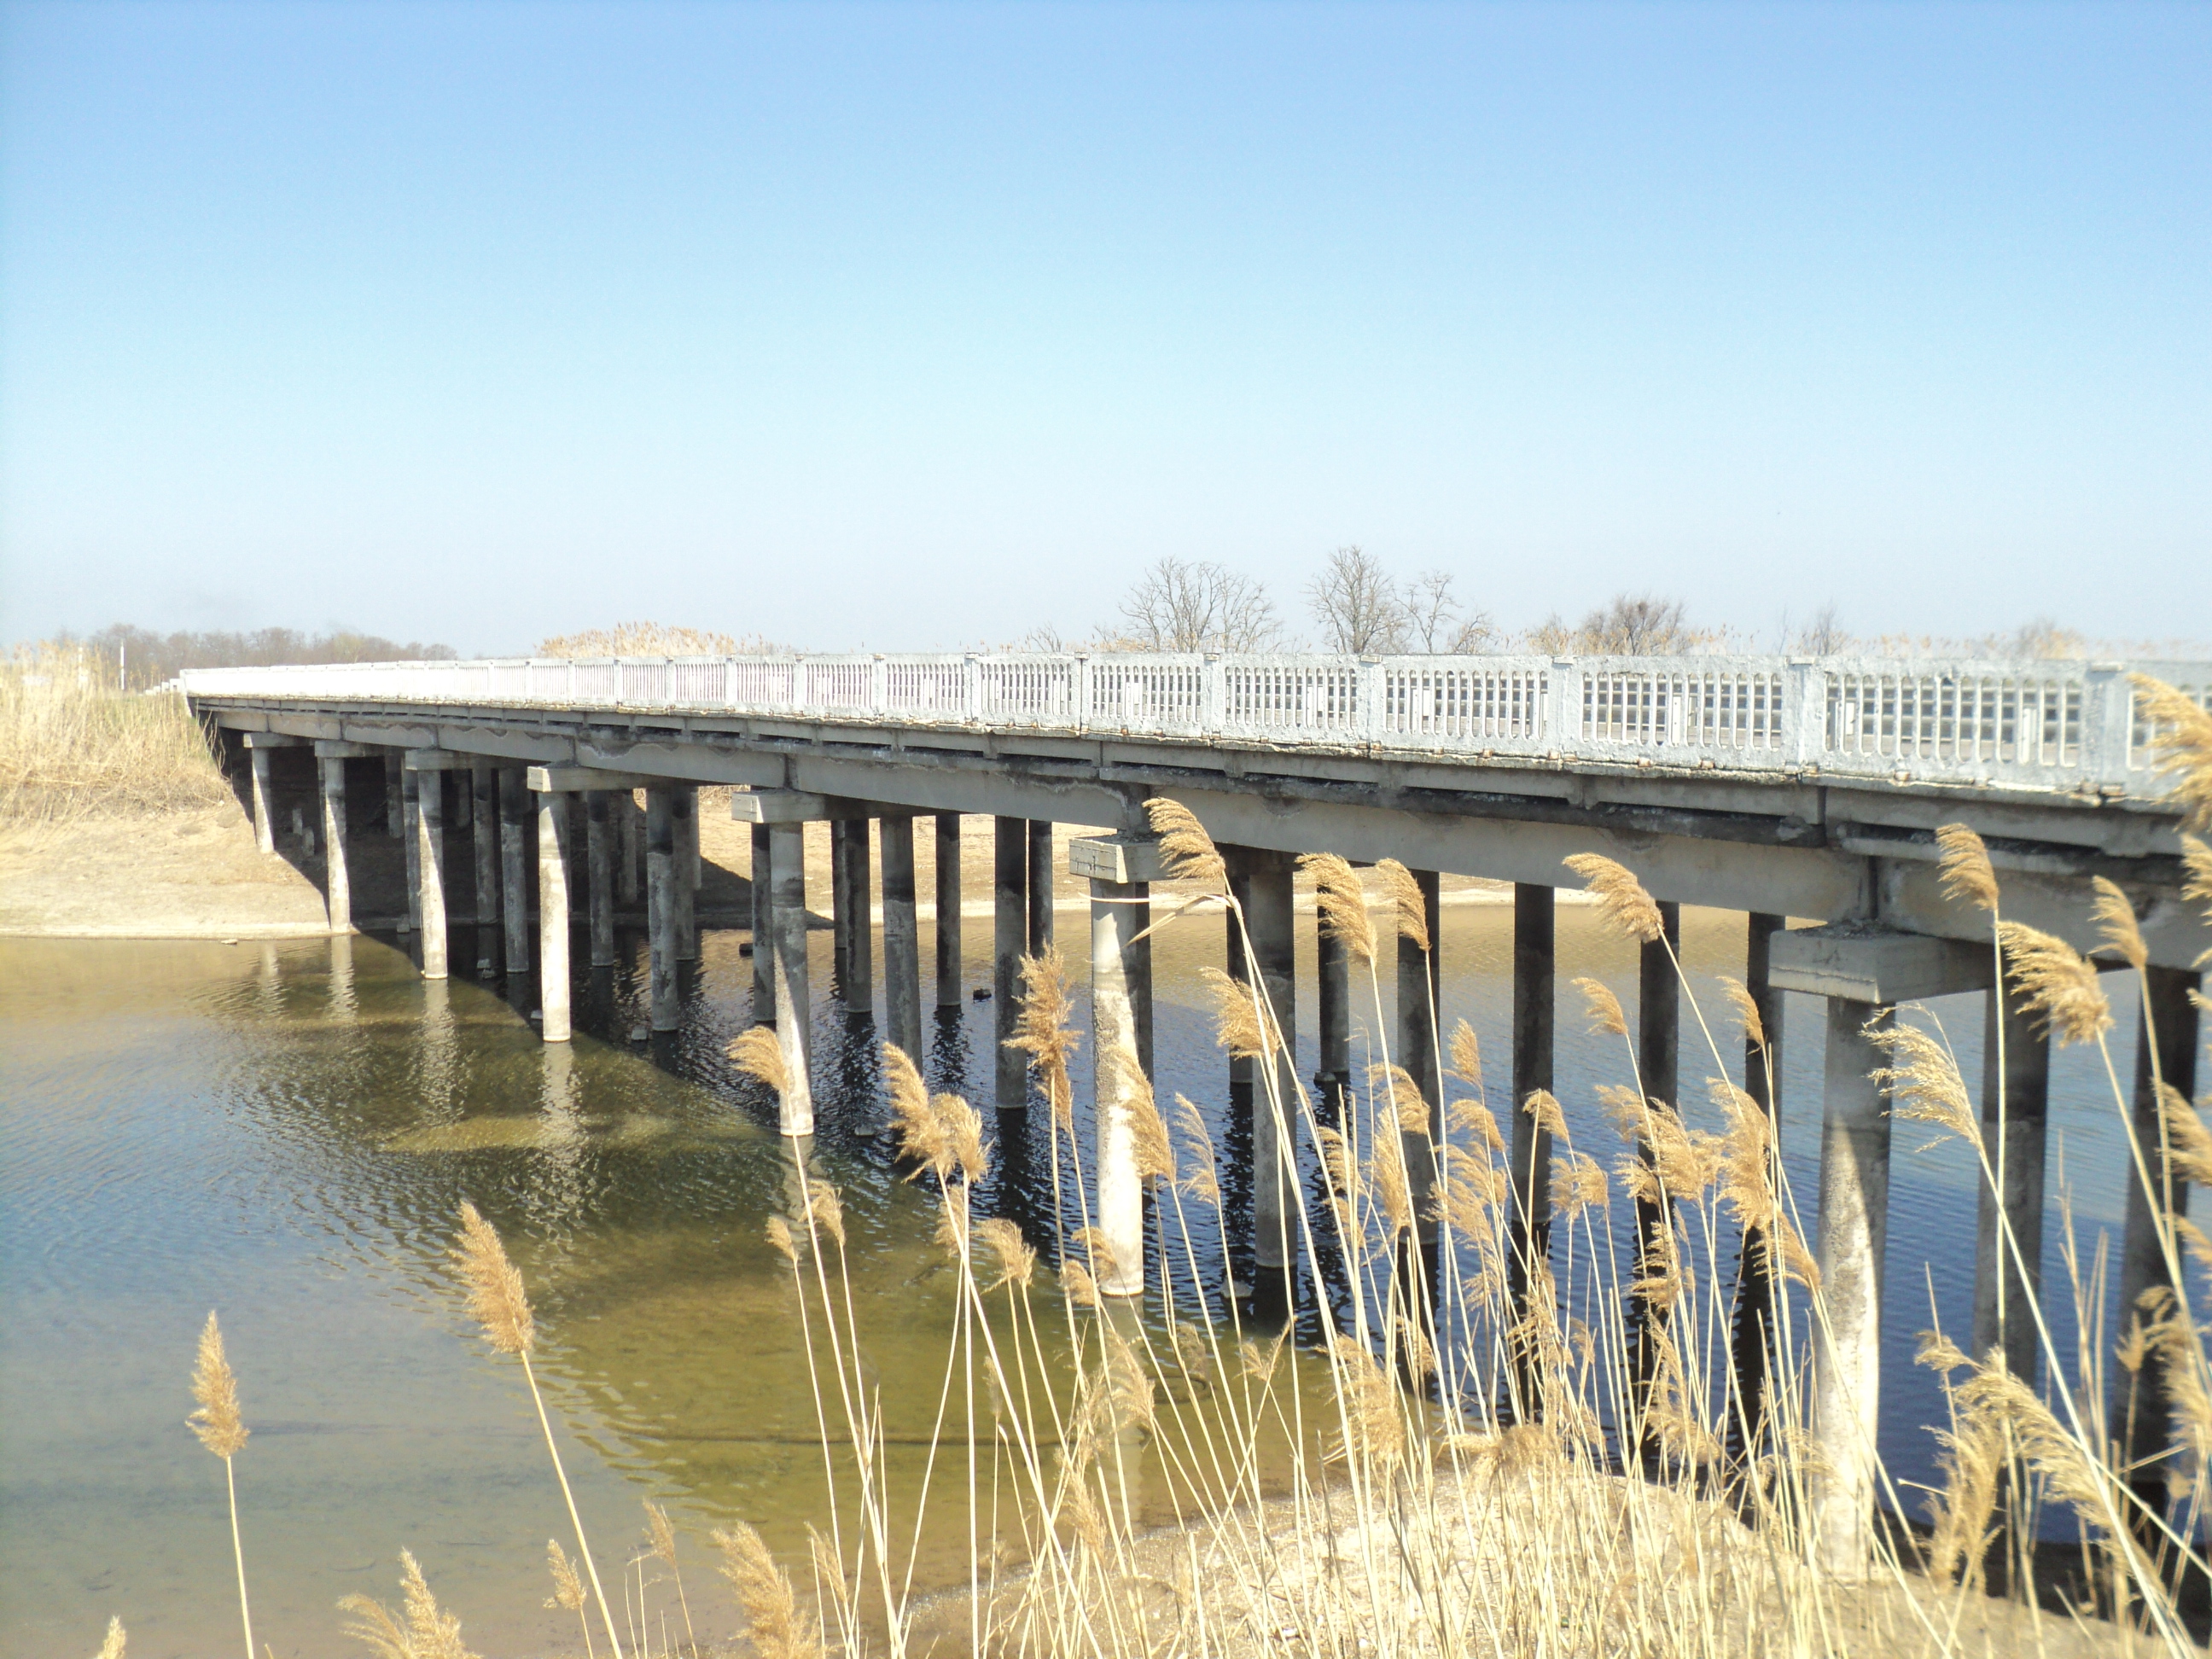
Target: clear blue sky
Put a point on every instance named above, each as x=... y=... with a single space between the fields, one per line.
x=910 y=327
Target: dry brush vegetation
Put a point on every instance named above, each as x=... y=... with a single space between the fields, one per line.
x=72 y=745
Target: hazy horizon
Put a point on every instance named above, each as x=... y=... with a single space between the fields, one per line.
x=904 y=327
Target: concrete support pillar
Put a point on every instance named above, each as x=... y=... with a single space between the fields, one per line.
x=2166 y=1050
x=1332 y=1020
x=1010 y=935
x=395 y=784
x=948 y=910
x=861 y=935
x=660 y=899
x=1236 y=866
x=841 y=897
x=787 y=862
x=1659 y=1065
x=1420 y=996
x=430 y=868
x=483 y=844
x=2015 y=1121
x=1040 y=885
x=338 y=880
x=1852 y=1236
x=683 y=831
x=1659 y=1011
x=1274 y=1123
x=599 y=857
x=630 y=883
x=265 y=835
x=410 y=796
x=1113 y=925
x=763 y=930
x=901 y=937
x=553 y=833
x=515 y=840
x=1757 y=1284
x=1528 y=1147
x=1137 y=965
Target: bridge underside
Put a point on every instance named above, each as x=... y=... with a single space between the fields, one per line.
x=1823 y=847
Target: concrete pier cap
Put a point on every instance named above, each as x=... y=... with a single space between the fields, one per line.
x=1121 y=859
x=1866 y=962
x=579 y=780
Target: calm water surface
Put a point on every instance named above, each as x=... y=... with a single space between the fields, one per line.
x=283 y=1133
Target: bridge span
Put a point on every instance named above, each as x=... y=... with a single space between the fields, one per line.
x=1780 y=788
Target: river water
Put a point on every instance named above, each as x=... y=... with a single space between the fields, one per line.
x=283 y=1133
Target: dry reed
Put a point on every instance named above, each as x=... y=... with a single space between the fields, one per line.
x=221 y=1428
x=1187 y=852
x=71 y=745
x=420 y=1630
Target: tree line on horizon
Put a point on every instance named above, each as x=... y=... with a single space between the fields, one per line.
x=138 y=658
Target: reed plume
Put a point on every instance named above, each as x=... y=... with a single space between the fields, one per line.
x=1972 y=1461
x=923 y=1140
x=1082 y=1289
x=1042 y=1029
x=2058 y=986
x=1923 y=1081
x=113 y=1647
x=1746 y=1180
x=1466 y=1052
x=779 y=1629
x=1155 y=1151
x=1203 y=1183
x=1016 y=1261
x=2117 y=925
x=1964 y=862
x=2197 y=870
x=222 y=1431
x=501 y=1306
x=1340 y=903
x=1407 y=1104
x=1746 y=1010
x=568 y=1590
x=1187 y=852
x=826 y=1211
x=1621 y=901
x=1603 y=1008
x=662 y=1536
x=1577 y=1182
x=756 y=1052
x=1237 y=1016
x=1405 y=892
x=1543 y=1107
x=2188 y=1142
x=422 y=1629
x=2183 y=740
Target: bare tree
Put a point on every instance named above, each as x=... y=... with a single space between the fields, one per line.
x=1823 y=634
x=1636 y=625
x=1181 y=605
x=1436 y=622
x=1358 y=604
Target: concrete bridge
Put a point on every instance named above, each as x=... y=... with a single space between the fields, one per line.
x=1781 y=787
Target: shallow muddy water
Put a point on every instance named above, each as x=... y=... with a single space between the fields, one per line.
x=283 y=1133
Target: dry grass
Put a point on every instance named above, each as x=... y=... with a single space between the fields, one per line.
x=71 y=745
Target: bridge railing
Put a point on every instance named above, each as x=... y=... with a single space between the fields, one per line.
x=2043 y=723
